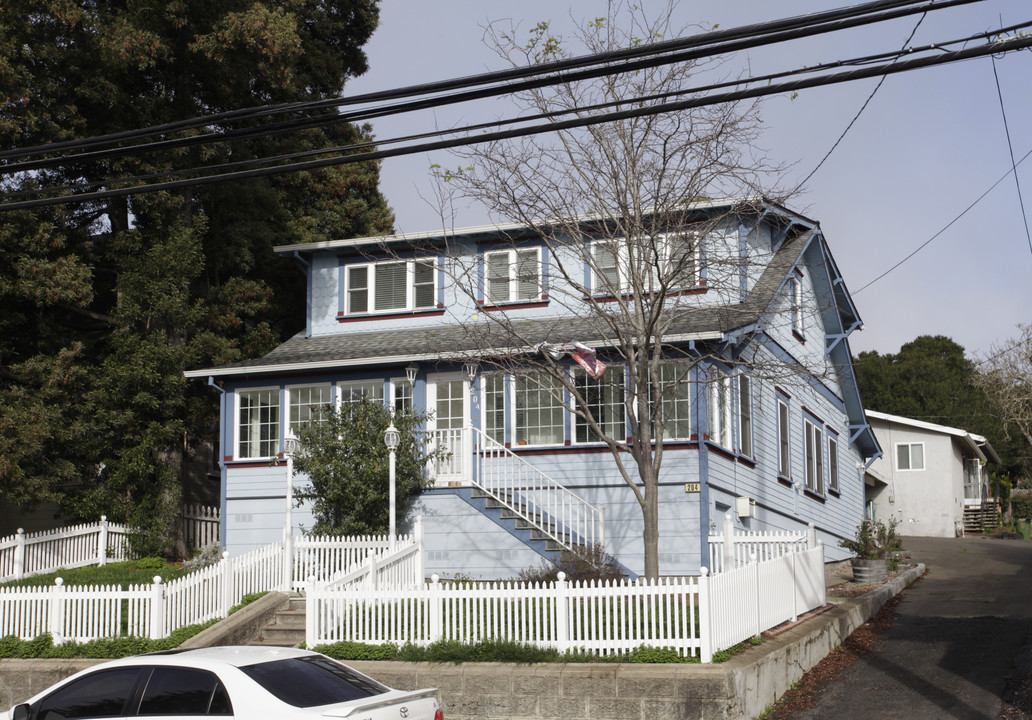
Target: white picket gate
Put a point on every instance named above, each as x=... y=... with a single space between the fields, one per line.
x=70 y=547
x=731 y=549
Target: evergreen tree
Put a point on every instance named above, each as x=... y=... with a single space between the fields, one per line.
x=111 y=300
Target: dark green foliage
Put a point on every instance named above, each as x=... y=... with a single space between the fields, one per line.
x=930 y=379
x=1021 y=506
x=105 y=303
x=43 y=646
x=346 y=650
x=122 y=574
x=347 y=462
x=874 y=540
x=579 y=564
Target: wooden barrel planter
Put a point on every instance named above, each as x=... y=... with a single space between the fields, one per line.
x=870 y=572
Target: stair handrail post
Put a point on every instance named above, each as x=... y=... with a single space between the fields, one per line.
x=602 y=525
x=157 y=610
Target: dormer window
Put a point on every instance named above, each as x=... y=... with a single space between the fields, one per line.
x=390 y=286
x=672 y=262
x=512 y=276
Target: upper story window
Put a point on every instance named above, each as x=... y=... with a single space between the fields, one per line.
x=512 y=275
x=258 y=423
x=795 y=295
x=672 y=262
x=910 y=456
x=390 y=286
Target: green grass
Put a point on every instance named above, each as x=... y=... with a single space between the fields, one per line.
x=124 y=574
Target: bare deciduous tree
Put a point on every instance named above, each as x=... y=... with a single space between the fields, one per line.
x=1006 y=378
x=625 y=213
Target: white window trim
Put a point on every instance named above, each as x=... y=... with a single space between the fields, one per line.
x=512 y=262
x=237 y=455
x=910 y=458
x=370 y=289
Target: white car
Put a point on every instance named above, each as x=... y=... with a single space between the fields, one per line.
x=243 y=682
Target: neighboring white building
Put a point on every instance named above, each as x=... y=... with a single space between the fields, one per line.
x=928 y=477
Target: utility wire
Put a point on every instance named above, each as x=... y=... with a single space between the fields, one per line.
x=998 y=46
x=694 y=47
x=1010 y=148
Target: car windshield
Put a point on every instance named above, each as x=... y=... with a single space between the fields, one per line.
x=311 y=681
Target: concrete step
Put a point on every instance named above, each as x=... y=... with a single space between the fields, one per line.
x=287 y=627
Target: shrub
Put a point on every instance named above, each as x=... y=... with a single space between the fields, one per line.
x=874 y=540
x=580 y=564
x=209 y=555
x=1021 y=506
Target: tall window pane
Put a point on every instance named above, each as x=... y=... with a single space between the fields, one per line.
x=498 y=277
x=539 y=410
x=424 y=286
x=675 y=397
x=528 y=269
x=833 y=463
x=494 y=406
x=308 y=404
x=745 y=430
x=258 y=429
x=358 y=290
x=604 y=402
x=607 y=273
x=720 y=408
x=784 y=457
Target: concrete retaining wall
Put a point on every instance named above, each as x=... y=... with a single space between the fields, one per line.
x=736 y=690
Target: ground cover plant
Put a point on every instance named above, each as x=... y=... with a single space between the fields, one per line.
x=123 y=574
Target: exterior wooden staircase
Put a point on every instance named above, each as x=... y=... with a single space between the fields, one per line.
x=287 y=627
x=981 y=518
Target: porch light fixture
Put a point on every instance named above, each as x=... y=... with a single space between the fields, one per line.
x=391 y=438
x=471 y=370
x=410 y=373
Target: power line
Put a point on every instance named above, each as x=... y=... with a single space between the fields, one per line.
x=1010 y=149
x=718 y=41
x=997 y=46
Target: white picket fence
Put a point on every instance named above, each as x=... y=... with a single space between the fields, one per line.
x=731 y=549
x=200 y=525
x=695 y=616
x=71 y=547
x=157 y=609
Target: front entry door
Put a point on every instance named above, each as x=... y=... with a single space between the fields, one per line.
x=448 y=400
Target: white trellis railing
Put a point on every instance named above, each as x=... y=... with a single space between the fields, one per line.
x=694 y=616
x=731 y=549
x=70 y=547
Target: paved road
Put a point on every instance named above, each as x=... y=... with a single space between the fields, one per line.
x=957 y=634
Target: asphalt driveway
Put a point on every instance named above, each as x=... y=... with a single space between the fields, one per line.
x=957 y=636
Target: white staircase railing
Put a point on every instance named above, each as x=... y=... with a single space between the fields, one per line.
x=562 y=515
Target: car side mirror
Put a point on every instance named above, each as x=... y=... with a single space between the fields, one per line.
x=20 y=712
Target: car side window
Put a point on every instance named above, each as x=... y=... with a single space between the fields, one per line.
x=184 y=691
x=97 y=695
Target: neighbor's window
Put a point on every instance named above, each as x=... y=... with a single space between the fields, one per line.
x=814 y=438
x=512 y=275
x=910 y=456
x=391 y=286
x=258 y=423
x=539 y=410
x=604 y=401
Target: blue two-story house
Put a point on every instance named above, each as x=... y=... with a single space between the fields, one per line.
x=732 y=327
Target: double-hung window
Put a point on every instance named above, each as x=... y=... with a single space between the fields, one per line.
x=745 y=415
x=604 y=402
x=833 y=483
x=683 y=259
x=606 y=276
x=258 y=423
x=390 y=286
x=539 y=410
x=512 y=275
x=784 y=445
x=720 y=408
x=910 y=456
x=307 y=404
x=814 y=439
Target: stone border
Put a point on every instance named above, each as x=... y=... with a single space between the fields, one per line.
x=739 y=689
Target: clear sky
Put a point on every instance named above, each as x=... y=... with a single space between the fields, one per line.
x=929 y=144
